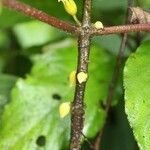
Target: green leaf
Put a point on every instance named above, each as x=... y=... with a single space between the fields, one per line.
x=33 y=113
x=6 y=84
x=137 y=94
x=111 y=39
x=34 y=33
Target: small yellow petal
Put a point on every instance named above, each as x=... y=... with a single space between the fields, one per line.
x=64 y=109
x=70 y=6
x=82 y=77
x=98 y=25
x=72 y=78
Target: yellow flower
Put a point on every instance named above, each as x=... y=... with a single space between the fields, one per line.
x=64 y=109
x=70 y=6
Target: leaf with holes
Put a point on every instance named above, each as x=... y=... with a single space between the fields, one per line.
x=31 y=120
x=137 y=94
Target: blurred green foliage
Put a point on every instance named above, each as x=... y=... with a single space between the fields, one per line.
x=35 y=62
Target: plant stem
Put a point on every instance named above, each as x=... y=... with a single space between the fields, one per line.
x=38 y=14
x=76 y=20
x=115 y=76
x=112 y=86
x=77 y=114
x=121 y=29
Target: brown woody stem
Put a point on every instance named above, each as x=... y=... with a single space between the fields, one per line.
x=122 y=29
x=115 y=76
x=39 y=15
x=77 y=114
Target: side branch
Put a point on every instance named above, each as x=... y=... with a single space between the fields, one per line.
x=122 y=29
x=39 y=15
x=115 y=75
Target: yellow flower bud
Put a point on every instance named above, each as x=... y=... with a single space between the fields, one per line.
x=98 y=25
x=82 y=77
x=72 y=78
x=70 y=6
x=64 y=109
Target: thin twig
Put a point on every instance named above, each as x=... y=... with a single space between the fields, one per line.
x=38 y=14
x=112 y=86
x=114 y=79
x=122 y=29
x=89 y=142
x=77 y=113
